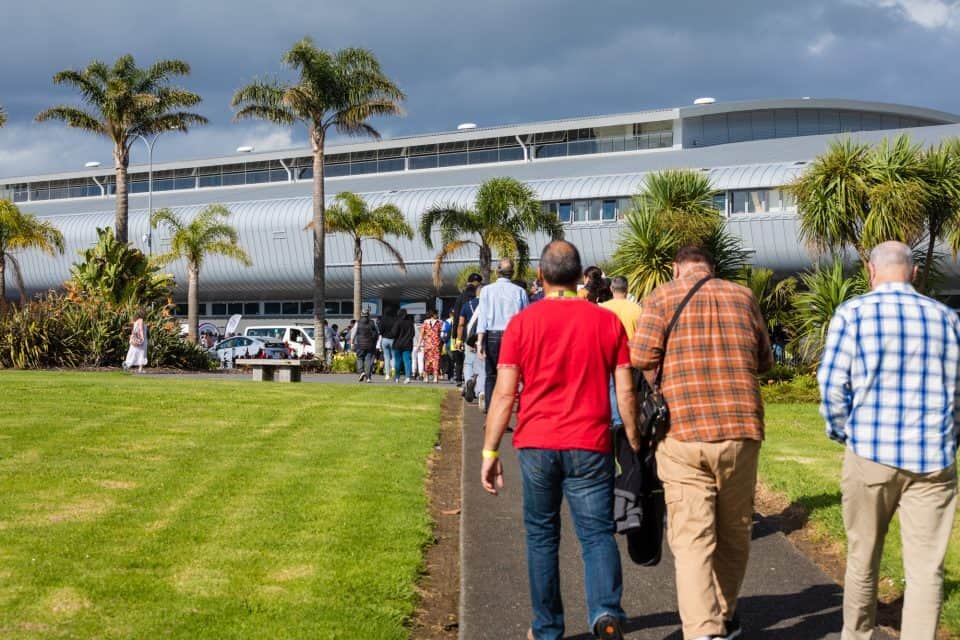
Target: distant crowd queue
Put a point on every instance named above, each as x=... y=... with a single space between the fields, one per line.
x=652 y=416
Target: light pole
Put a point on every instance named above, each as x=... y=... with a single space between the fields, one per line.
x=149 y=144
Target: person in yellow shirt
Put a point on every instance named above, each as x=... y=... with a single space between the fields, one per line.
x=626 y=310
x=629 y=314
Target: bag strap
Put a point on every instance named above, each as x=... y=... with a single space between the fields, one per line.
x=673 y=322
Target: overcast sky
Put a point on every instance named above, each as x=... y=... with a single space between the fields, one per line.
x=491 y=62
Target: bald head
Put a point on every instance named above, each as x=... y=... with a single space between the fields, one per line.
x=505 y=268
x=560 y=265
x=891 y=262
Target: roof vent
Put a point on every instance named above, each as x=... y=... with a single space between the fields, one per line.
x=466 y=126
x=704 y=100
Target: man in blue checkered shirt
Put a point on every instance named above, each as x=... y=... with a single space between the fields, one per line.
x=888 y=380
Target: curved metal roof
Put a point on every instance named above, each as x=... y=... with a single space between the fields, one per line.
x=272 y=232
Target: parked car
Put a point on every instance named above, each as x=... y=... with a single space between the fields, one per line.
x=226 y=351
x=298 y=339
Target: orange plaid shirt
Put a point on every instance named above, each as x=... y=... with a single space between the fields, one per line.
x=716 y=349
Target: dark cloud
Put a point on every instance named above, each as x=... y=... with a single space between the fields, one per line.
x=494 y=62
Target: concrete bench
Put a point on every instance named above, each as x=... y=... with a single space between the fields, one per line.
x=269 y=370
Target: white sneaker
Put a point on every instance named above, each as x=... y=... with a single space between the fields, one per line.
x=407 y=381
x=387 y=378
x=481 y=402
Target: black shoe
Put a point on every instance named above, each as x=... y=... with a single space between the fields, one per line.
x=608 y=628
x=732 y=628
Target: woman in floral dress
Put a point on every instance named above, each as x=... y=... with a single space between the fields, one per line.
x=432 y=328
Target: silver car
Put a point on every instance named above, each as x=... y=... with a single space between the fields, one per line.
x=226 y=351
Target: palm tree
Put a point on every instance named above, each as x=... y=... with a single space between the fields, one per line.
x=3 y=117
x=505 y=211
x=350 y=215
x=207 y=234
x=340 y=90
x=941 y=210
x=20 y=231
x=775 y=298
x=826 y=287
x=854 y=196
x=674 y=209
x=125 y=102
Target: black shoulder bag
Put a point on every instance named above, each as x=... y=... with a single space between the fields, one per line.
x=653 y=418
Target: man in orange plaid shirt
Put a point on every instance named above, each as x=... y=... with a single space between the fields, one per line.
x=708 y=461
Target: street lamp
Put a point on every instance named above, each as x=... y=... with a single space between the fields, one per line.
x=150 y=144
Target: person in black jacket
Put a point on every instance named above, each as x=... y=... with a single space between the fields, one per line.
x=456 y=346
x=402 y=335
x=366 y=341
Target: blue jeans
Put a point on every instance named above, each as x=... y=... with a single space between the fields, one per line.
x=586 y=479
x=386 y=345
x=401 y=357
x=615 y=418
x=491 y=346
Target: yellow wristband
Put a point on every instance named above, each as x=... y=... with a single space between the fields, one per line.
x=490 y=453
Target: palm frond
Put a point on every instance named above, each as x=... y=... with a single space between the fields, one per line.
x=445 y=253
x=390 y=249
x=451 y=220
x=73 y=117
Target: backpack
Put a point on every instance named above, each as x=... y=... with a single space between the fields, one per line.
x=471 y=339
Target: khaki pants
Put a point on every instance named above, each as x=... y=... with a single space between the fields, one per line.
x=927 y=501
x=709 y=489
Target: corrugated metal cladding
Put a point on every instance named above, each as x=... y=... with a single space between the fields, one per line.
x=273 y=233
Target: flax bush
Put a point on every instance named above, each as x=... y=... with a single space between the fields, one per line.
x=75 y=330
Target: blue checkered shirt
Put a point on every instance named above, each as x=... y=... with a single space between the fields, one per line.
x=888 y=378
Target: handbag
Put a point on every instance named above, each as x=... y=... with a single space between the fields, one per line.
x=653 y=417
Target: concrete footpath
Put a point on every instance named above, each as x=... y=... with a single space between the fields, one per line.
x=785 y=596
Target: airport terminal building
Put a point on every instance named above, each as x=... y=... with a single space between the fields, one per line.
x=583 y=169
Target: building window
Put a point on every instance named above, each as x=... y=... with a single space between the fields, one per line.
x=306 y=308
x=251 y=308
x=751 y=201
x=332 y=308
x=720 y=202
x=565 y=212
x=610 y=210
x=271 y=308
x=581 y=210
x=233 y=308
x=219 y=309
x=290 y=308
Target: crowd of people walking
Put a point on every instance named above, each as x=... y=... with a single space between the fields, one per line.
x=567 y=367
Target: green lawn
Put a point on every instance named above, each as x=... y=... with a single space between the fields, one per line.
x=147 y=507
x=798 y=460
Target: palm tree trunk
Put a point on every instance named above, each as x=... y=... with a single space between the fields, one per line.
x=3 y=279
x=485 y=259
x=121 y=160
x=357 y=277
x=319 y=240
x=193 y=299
x=926 y=263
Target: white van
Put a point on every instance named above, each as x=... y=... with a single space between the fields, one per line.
x=299 y=339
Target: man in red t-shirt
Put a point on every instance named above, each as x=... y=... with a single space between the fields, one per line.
x=564 y=351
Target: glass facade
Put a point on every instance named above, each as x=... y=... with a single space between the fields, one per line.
x=760 y=201
x=587 y=211
x=554 y=144
x=273 y=308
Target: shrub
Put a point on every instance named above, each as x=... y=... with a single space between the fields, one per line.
x=779 y=373
x=801 y=389
x=344 y=362
x=88 y=331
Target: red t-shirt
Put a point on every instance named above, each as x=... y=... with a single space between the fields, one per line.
x=566 y=350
